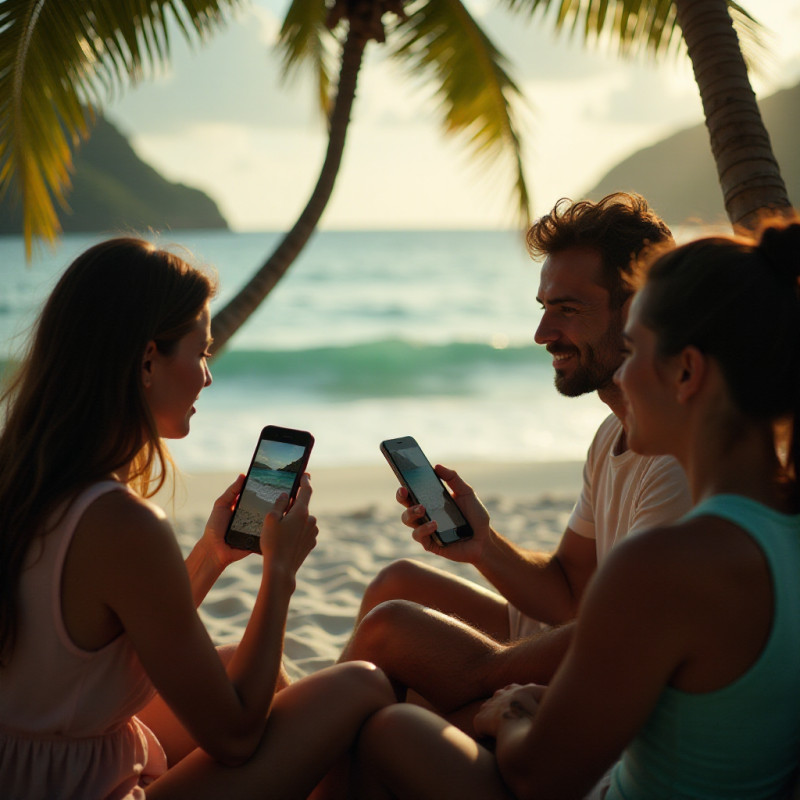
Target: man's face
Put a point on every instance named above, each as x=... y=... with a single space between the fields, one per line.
x=578 y=327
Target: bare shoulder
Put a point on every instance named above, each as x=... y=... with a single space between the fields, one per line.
x=670 y=544
x=696 y=539
x=121 y=522
x=118 y=539
x=675 y=568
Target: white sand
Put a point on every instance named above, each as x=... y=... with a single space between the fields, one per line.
x=360 y=532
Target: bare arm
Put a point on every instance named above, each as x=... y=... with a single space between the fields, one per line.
x=598 y=699
x=544 y=586
x=210 y=556
x=533 y=659
x=142 y=578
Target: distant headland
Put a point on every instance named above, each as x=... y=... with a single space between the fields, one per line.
x=679 y=179
x=113 y=190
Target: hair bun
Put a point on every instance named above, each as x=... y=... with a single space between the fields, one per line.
x=779 y=247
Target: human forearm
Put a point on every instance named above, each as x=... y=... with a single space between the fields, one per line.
x=203 y=568
x=533 y=582
x=287 y=537
x=211 y=555
x=256 y=665
x=508 y=717
x=534 y=659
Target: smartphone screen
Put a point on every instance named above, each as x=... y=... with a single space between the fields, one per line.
x=415 y=472
x=279 y=461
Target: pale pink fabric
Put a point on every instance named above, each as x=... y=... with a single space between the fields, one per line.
x=67 y=728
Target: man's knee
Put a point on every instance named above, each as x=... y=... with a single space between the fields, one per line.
x=395 y=581
x=385 y=629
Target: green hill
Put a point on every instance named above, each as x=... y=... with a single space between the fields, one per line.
x=678 y=176
x=114 y=190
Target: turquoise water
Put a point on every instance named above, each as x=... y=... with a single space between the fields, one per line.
x=371 y=335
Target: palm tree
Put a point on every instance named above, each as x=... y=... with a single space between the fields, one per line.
x=437 y=38
x=59 y=59
x=748 y=172
x=98 y=44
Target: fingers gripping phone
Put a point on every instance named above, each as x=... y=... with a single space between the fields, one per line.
x=415 y=472
x=278 y=464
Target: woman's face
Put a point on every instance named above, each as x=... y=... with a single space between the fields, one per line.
x=173 y=382
x=644 y=379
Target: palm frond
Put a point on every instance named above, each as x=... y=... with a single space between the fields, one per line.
x=60 y=59
x=440 y=39
x=635 y=25
x=305 y=39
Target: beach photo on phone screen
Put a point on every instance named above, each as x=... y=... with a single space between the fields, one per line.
x=275 y=468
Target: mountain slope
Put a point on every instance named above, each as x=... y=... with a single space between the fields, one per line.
x=114 y=190
x=678 y=176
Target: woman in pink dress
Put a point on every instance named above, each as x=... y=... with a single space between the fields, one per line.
x=109 y=682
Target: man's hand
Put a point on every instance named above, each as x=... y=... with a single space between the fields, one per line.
x=467 y=551
x=514 y=702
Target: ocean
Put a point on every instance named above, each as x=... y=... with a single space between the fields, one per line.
x=370 y=335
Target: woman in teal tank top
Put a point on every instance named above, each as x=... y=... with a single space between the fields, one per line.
x=683 y=677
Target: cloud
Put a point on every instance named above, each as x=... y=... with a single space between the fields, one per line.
x=535 y=50
x=220 y=120
x=235 y=76
x=647 y=95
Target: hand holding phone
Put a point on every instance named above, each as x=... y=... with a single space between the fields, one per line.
x=278 y=464
x=289 y=533
x=415 y=472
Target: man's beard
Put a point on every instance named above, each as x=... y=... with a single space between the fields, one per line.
x=585 y=379
x=593 y=373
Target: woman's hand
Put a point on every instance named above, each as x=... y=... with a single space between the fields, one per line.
x=512 y=702
x=469 y=550
x=287 y=538
x=214 y=534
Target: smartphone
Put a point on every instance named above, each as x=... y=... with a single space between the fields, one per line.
x=278 y=464
x=415 y=472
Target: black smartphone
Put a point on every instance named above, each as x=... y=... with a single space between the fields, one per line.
x=415 y=472
x=278 y=464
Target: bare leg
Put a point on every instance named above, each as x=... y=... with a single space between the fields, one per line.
x=174 y=738
x=442 y=659
x=411 y=580
x=406 y=752
x=312 y=726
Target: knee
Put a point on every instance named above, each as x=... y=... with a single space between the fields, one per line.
x=365 y=681
x=393 y=582
x=383 y=630
x=390 y=728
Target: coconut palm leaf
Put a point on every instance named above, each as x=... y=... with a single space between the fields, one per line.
x=305 y=40
x=59 y=59
x=441 y=42
x=635 y=25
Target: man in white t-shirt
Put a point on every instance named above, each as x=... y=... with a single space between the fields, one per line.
x=452 y=641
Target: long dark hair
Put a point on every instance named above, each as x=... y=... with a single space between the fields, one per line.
x=738 y=301
x=75 y=410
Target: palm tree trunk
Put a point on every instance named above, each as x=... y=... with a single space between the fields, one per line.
x=230 y=318
x=748 y=171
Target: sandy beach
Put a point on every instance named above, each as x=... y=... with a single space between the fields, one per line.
x=360 y=532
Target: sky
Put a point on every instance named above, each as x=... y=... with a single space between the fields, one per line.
x=220 y=118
